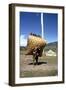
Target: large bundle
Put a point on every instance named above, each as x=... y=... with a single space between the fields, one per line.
x=35 y=41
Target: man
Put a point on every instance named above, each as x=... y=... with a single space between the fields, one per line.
x=36 y=53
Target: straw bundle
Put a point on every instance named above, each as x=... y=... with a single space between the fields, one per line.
x=34 y=41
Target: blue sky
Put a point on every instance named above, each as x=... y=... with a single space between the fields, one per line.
x=31 y=22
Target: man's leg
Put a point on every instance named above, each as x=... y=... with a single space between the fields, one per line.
x=37 y=60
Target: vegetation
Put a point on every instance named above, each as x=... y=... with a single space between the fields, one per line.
x=53 y=46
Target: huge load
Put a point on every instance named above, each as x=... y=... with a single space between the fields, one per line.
x=35 y=41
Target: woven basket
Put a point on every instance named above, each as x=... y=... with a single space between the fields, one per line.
x=34 y=41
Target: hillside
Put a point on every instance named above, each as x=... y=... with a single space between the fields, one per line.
x=53 y=46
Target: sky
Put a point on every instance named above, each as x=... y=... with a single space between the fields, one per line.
x=31 y=22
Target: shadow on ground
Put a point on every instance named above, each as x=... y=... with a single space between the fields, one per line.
x=39 y=63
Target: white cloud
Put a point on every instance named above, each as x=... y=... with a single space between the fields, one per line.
x=23 y=40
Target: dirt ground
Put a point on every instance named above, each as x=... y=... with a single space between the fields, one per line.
x=47 y=66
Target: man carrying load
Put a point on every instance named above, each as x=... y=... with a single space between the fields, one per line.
x=36 y=54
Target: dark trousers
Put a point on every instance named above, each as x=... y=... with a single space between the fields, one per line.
x=36 y=59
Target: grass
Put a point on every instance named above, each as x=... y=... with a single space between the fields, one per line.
x=38 y=73
x=47 y=61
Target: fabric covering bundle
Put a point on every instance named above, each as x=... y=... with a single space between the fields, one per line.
x=35 y=41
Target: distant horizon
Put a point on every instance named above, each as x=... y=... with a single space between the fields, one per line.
x=31 y=22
